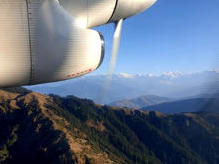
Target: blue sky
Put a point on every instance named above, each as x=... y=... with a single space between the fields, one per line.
x=173 y=35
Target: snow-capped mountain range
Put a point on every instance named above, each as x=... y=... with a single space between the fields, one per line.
x=127 y=86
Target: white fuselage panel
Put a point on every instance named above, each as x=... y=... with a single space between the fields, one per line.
x=14 y=43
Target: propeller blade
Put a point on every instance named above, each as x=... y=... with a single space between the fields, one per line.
x=115 y=48
x=116 y=43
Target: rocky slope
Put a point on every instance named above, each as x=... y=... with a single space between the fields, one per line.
x=32 y=131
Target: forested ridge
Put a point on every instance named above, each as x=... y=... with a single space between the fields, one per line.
x=36 y=128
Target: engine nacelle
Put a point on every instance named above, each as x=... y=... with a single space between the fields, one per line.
x=49 y=40
x=127 y=8
x=40 y=43
x=91 y=13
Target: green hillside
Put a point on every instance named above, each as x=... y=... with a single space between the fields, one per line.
x=36 y=128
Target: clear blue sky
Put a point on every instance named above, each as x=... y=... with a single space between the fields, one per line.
x=173 y=35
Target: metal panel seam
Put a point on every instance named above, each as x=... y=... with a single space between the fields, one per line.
x=114 y=10
x=30 y=46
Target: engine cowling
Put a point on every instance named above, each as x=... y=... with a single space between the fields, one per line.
x=40 y=43
x=91 y=13
x=49 y=40
x=128 y=8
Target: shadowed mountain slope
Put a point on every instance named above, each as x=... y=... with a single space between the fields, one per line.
x=36 y=128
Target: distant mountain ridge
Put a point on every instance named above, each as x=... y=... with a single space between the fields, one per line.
x=128 y=86
x=140 y=102
x=186 y=105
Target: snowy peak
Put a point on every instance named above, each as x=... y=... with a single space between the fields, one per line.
x=126 y=75
x=172 y=75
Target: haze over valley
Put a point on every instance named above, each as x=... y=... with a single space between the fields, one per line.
x=172 y=85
